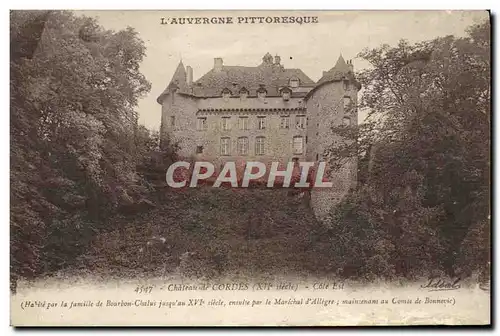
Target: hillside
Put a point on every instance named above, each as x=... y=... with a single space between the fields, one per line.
x=212 y=232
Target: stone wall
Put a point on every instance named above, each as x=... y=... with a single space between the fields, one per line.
x=326 y=107
x=278 y=141
x=183 y=108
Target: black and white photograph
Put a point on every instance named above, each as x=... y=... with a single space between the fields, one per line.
x=250 y=168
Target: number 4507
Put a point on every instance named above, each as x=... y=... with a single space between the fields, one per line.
x=144 y=289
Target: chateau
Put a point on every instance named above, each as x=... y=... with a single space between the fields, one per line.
x=263 y=113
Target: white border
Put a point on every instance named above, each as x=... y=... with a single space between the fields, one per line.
x=185 y=4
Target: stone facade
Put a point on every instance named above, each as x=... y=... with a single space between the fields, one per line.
x=265 y=113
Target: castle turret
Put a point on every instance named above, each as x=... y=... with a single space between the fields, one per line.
x=179 y=79
x=332 y=102
x=178 y=108
x=341 y=66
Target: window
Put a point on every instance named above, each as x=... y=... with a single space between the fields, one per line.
x=243 y=93
x=243 y=123
x=346 y=85
x=285 y=122
x=346 y=121
x=226 y=123
x=226 y=94
x=298 y=145
x=201 y=124
x=172 y=121
x=294 y=82
x=224 y=146
x=300 y=122
x=261 y=92
x=347 y=102
x=261 y=123
x=286 y=93
x=260 y=143
x=199 y=149
x=243 y=146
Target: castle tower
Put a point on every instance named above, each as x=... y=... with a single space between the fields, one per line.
x=178 y=109
x=332 y=102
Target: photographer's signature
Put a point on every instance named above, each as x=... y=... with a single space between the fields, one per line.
x=438 y=284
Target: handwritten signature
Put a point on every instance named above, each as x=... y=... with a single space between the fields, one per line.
x=438 y=284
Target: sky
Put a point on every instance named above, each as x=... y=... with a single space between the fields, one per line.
x=313 y=47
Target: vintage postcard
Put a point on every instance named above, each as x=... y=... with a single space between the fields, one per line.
x=250 y=168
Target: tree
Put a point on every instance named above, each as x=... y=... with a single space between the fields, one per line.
x=74 y=87
x=427 y=145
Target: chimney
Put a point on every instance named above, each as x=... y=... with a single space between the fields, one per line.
x=218 y=64
x=189 y=76
x=277 y=60
x=349 y=64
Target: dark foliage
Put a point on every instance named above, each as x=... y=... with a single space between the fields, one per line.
x=424 y=157
x=74 y=136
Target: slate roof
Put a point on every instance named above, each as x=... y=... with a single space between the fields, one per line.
x=340 y=71
x=267 y=75
x=179 y=79
x=270 y=76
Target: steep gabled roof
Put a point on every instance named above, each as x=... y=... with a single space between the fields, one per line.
x=272 y=77
x=267 y=75
x=338 y=72
x=179 y=79
x=341 y=65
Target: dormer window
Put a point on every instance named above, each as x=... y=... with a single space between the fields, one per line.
x=243 y=93
x=226 y=94
x=261 y=92
x=286 y=93
x=294 y=82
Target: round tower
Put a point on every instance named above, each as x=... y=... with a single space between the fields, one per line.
x=178 y=110
x=333 y=102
